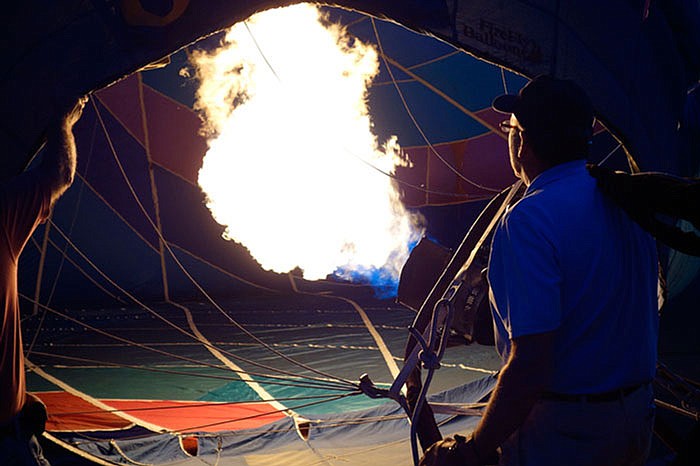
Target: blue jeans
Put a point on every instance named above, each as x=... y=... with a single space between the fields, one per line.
x=615 y=433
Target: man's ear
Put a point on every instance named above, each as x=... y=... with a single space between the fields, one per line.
x=524 y=141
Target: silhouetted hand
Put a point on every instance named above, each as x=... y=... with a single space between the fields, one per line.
x=72 y=112
x=455 y=451
x=658 y=192
x=33 y=416
x=645 y=196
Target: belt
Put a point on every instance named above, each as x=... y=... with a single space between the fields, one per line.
x=604 y=397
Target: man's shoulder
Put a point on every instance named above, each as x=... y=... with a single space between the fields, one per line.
x=533 y=205
x=566 y=192
x=24 y=189
x=552 y=206
x=526 y=218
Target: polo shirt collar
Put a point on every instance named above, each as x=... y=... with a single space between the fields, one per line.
x=555 y=173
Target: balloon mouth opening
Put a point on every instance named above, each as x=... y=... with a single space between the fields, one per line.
x=190 y=445
x=303 y=427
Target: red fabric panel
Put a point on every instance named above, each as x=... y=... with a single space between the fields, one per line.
x=443 y=179
x=192 y=416
x=173 y=128
x=176 y=143
x=122 y=100
x=487 y=163
x=414 y=176
x=69 y=413
x=482 y=160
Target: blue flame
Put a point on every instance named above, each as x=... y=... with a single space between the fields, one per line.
x=384 y=283
x=383 y=280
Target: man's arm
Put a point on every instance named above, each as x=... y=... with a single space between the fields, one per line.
x=60 y=159
x=520 y=384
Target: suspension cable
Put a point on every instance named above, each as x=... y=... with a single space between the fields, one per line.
x=47 y=239
x=174 y=326
x=362 y=159
x=191 y=278
x=281 y=381
x=323 y=383
x=329 y=399
x=413 y=119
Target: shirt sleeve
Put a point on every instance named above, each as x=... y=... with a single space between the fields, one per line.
x=524 y=274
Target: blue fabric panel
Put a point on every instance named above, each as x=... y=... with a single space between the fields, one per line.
x=105 y=239
x=102 y=158
x=439 y=120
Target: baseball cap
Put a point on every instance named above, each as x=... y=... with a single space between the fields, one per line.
x=551 y=105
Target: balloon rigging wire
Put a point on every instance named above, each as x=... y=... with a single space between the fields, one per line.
x=503 y=79
x=196 y=283
x=317 y=425
x=138 y=234
x=277 y=411
x=383 y=349
x=154 y=313
x=81 y=270
x=316 y=383
x=189 y=404
x=362 y=159
x=226 y=344
x=200 y=404
x=435 y=60
x=257 y=46
x=274 y=380
x=418 y=66
x=605 y=159
x=169 y=323
x=280 y=380
x=413 y=119
x=63 y=252
x=75 y=214
x=218 y=423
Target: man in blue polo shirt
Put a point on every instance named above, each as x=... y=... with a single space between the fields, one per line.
x=573 y=290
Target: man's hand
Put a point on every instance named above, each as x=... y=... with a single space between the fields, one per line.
x=645 y=196
x=33 y=416
x=648 y=193
x=72 y=112
x=457 y=451
x=60 y=158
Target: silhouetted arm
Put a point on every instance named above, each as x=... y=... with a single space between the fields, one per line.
x=647 y=197
x=520 y=384
x=60 y=159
